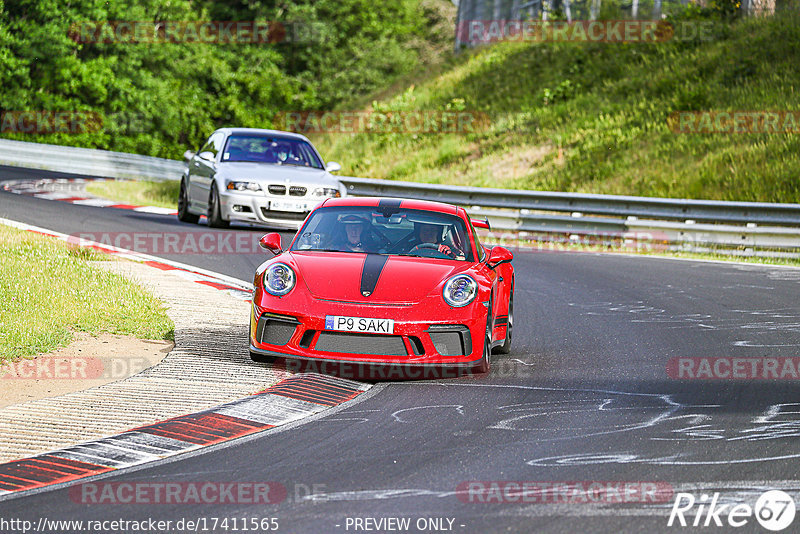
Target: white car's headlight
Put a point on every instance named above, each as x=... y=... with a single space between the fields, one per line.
x=279 y=279
x=246 y=187
x=460 y=290
x=327 y=192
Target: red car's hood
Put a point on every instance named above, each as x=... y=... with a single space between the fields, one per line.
x=401 y=279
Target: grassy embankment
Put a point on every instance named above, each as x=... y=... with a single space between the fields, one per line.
x=593 y=118
x=48 y=290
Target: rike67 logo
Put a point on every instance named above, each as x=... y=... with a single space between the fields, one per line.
x=774 y=510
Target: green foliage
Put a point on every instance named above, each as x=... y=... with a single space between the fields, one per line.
x=161 y=98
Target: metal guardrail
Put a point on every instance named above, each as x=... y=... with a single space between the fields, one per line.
x=747 y=228
x=764 y=229
x=620 y=206
x=88 y=161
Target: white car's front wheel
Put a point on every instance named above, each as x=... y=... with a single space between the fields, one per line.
x=215 y=219
x=183 y=206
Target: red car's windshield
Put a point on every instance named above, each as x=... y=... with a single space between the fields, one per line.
x=377 y=230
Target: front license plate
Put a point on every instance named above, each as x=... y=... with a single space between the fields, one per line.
x=359 y=324
x=288 y=205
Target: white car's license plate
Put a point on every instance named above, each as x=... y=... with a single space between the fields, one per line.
x=288 y=205
x=359 y=324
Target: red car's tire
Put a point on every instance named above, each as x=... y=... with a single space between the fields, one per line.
x=505 y=348
x=262 y=358
x=485 y=362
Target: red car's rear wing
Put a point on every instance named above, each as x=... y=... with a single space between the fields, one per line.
x=478 y=223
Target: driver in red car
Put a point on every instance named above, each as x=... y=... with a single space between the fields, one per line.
x=354 y=228
x=431 y=234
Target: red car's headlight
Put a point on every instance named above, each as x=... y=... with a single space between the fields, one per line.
x=460 y=290
x=279 y=279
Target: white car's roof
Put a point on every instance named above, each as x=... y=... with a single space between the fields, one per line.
x=261 y=131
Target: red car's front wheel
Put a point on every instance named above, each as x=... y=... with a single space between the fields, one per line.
x=485 y=361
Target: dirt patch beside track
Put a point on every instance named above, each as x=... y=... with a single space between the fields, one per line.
x=85 y=363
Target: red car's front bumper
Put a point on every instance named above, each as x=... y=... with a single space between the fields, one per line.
x=426 y=334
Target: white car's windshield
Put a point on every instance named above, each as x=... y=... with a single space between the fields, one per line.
x=270 y=149
x=380 y=230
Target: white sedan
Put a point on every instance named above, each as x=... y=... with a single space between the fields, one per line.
x=267 y=177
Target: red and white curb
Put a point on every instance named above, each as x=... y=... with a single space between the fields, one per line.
x=289 y=400
x=233 y=286
x=73 y=191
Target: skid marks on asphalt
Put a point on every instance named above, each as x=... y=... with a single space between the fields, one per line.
x=553 y=417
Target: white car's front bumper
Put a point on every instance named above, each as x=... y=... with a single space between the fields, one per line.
x=275 y=211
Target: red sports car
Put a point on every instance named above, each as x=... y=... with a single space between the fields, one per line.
x=384 y=282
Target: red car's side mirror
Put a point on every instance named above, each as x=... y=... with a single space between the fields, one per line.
x=499 y=255
x=271 y=242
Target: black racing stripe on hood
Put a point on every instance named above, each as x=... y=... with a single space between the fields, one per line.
x=373 y=265
x=389 y=203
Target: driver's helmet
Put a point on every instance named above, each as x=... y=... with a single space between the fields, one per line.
x=420 y=227
x=352 y=219
x=282 y=151
x=267 y=149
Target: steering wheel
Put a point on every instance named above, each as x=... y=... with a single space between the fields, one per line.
x=428 y=246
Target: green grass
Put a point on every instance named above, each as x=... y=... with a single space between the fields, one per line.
x=593 y=118
x=48 y=290
x=140 y=193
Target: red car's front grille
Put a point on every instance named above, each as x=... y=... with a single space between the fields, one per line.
x=361 y=344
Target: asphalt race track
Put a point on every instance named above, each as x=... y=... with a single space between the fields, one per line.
x=585 y=396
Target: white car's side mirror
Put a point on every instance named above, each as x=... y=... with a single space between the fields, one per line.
x=188 y=155
x=332 y=166
x=207 y=155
